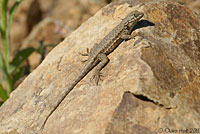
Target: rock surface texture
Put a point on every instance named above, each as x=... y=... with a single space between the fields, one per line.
x=151 y=84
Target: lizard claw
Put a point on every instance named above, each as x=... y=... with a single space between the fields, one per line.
x=85 y=54
x=97 y=77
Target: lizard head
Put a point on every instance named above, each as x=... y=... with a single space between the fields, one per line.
x=132 y=18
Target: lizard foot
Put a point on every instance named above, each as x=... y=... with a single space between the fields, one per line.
x=97 y=76
x=85 y=54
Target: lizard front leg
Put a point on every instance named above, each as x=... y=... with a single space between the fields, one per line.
x=127 y=36
x=132 y=36
x=103 y=61
x=87 y=53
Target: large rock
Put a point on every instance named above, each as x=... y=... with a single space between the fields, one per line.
x=151 y=84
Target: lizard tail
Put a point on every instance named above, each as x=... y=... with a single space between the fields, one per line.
x=67 y=91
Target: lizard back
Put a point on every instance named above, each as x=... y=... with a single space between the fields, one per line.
x=113 y=39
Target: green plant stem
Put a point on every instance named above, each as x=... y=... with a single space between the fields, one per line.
x=3 y=31
x=6 y=74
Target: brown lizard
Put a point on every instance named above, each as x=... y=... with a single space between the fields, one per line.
x=98 y=54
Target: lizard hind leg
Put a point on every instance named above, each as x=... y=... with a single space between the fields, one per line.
x=97 y=74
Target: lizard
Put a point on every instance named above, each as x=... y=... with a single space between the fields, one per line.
x=97 y=56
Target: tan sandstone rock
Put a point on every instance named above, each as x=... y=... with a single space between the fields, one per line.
x=151 y=83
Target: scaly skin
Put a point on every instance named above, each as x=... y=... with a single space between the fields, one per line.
x=98 y=55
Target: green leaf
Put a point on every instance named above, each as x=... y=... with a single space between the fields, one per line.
x=3 y=94
x=11 y=69
x=11 y=15
x=22 y=56
x=14 y=7
x=2 y=63
x=17 y=75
